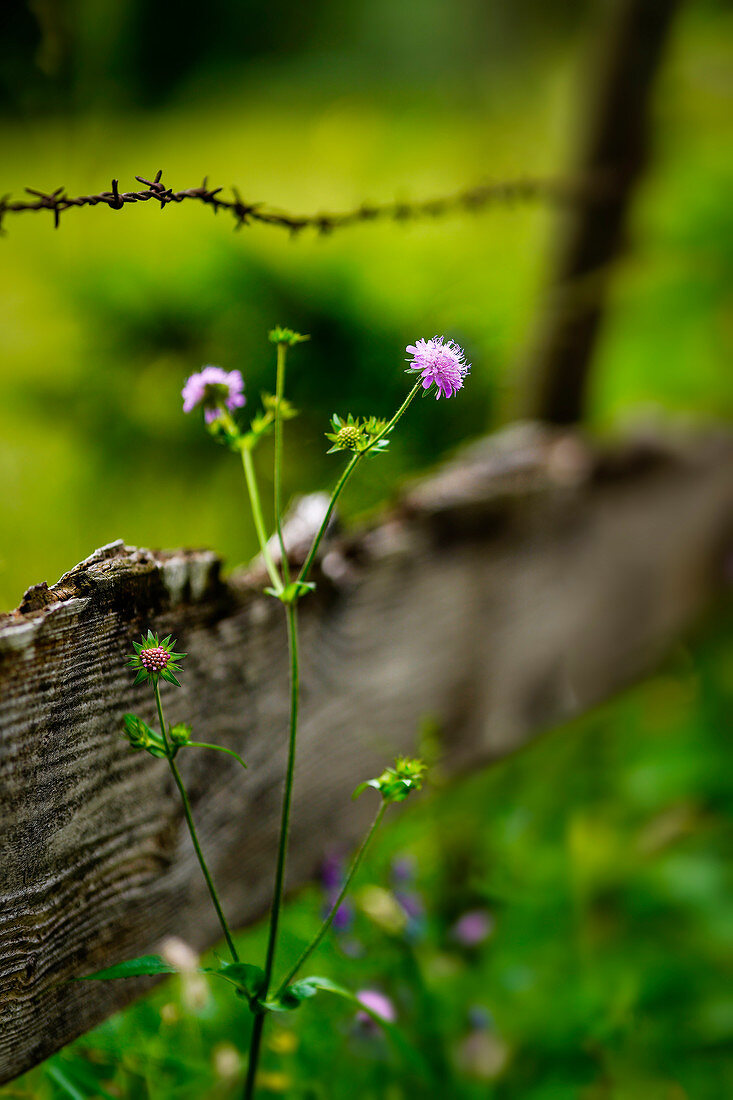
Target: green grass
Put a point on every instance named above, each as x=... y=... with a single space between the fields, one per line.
x=599 y=853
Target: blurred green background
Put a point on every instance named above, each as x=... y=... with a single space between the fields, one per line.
x=603 y=888
x=103 y=319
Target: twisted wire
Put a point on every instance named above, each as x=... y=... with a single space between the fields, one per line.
x=245 y=213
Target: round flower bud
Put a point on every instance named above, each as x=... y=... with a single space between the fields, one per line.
x=348 y=436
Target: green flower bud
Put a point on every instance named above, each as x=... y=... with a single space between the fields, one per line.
x=394 y=784
x=180 y=734
x=140 y=736
x=348 y=436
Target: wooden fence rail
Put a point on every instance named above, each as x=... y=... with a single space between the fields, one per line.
x=520 y=585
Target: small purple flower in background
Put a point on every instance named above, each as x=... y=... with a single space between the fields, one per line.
x=473 y=928
x=439 y=361
x=332 y=876
x=403 y=873
x=479 y=1018
x=380 y=1005
x=216 y=390
x=332 y=873
x=403 y=869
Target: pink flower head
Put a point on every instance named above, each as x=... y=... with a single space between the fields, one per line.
x=473 y=927
x=155 y=659
x=379 y=1004
x=440 y=361
x=216 y=390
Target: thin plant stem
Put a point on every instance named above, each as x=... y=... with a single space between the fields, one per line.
x=259 y=1021
x=279 y=393
x=219 y=748
x=192 y=828
x=338 y=903
x=66 y=1084
x=254 y=499
x=348 y=471
x=292 y=624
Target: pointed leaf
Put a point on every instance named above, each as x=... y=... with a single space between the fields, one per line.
x=363 y=786
x=248 y=978
x=132 y=968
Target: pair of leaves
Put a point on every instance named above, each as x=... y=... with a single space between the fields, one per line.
x=292 y=592
x=249 y=981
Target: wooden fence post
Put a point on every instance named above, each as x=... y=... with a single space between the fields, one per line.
x=613 y=153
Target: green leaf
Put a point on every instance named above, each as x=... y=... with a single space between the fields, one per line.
x=363 y=786
x=133 y=968
x=248 y=978
x=295 y=590
x=180 y=733
x=295 y=994
x=59 y=1076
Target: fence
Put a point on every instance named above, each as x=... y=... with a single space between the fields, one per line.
x=433 y=613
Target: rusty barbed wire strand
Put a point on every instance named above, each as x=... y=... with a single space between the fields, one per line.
x=245 y=213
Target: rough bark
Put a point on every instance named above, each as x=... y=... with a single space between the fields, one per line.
x=517 y=587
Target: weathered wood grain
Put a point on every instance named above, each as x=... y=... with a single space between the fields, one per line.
x=518 y=586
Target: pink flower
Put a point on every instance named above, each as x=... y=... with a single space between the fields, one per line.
x=440 y=361
x=473 y=927
x=216 y=390
x=379 y=1004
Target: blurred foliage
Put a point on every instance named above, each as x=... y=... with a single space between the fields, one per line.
x=103 y=319
x=597 y=853
x=601 y=972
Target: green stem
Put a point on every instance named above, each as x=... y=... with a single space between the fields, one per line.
x=397 y=416
x=192 y=828
x=254 y=499
x=219 y=748
x=348 y=471
x=259 y=1021
x=337 y=904
x=279 y=394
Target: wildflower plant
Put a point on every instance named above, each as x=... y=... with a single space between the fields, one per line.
x=219 y=394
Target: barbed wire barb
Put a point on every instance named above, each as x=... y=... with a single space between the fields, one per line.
x=474 y=199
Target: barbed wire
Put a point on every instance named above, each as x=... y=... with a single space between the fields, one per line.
x=245 y=213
